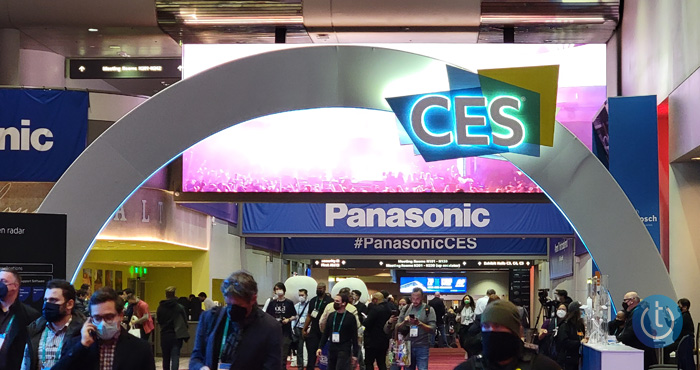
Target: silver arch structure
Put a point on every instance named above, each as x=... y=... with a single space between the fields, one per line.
x=140 y=143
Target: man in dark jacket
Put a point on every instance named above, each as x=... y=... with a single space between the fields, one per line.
x=14 y=318
x=438 y=305
x=102 y=340
x=241 y=335
x=172 y=319
x=195 y=307
x=59 y=323
x=312 y=328
x=628 y=337
x=376 y=340
x=503 y=349
x=688 y=328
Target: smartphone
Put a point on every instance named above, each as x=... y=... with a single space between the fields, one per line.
x=412 y=316
x=394 y=312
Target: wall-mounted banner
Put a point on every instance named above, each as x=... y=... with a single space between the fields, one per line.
x=453 y=246
x=460 y=219
x=634 y=156
x=41 y=132
x=561 y=257
x=495 y=111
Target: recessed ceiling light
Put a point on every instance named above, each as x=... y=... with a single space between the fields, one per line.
x=93 y=29
x=695 y=159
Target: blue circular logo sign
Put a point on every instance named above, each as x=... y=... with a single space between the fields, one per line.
x=657 y=321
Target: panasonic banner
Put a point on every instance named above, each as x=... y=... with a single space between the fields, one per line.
x=41 y=132
x=385 y=246
x=541 y=219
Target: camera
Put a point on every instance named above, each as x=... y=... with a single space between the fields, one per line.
x=548 y=305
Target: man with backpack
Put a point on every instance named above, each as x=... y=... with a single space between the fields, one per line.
x=418 y=321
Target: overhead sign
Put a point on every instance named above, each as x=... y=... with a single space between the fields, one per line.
x=499 y=264
x=481 y=115
x=400 y=264
x=452 y=246
x=430 y=284
x=125 y=68
x=462 y=219
x=41 y=132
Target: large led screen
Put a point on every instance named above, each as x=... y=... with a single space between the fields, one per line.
x=452 y=284
x=344 y=150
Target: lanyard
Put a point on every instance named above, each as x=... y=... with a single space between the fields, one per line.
x=341 y=321
x=319 y=302
x=223 y=339
x=9 y=325
x=43 y=352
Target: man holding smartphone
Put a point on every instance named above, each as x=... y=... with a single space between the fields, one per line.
x=418 y=321
x=103 y=343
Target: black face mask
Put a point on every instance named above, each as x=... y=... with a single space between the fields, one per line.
x=625 y=306
x=236 y=313
x=319 y=292
x=3 y=290
x=336 y=306
x=500 y=346
x=52 y=312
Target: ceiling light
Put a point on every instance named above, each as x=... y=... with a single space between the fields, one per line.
x=115 y=47
x=695 y=159
x=93 y=29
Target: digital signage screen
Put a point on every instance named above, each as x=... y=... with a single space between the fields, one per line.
x=452 y=284
x=317 y=152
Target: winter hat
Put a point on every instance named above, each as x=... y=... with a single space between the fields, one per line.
x=503 y=313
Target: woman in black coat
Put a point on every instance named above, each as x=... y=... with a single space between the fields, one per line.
x=547 y=338
x=570 y=336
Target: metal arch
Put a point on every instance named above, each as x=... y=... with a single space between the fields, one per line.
x=140 y=143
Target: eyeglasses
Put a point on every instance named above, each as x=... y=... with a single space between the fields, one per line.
x=108 y=317
x=7 y=282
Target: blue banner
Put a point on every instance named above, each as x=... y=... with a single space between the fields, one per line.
x=634 y=156
x=517 y=219
x=452 y=246
x=41 y=132
x=561 y=257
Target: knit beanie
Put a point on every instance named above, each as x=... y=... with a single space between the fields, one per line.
x=503 y=313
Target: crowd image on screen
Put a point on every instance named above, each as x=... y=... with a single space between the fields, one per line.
x=439 y=178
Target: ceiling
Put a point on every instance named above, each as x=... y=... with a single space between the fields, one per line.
x=156 y=28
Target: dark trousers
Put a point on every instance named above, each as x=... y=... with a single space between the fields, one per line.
x=339 y=360
x=312 y=342
x=373 y=354
x=170 y=346
x=286 y=344
x=300 y=347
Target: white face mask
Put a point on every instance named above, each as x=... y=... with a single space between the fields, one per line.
x=561 y=314
x=302 y=298
x=279 y=293
x=107 y=330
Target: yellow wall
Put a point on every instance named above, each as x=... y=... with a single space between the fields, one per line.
x=188 y=280
x=159 y=278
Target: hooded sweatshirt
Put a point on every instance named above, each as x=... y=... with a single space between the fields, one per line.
x=168 y=311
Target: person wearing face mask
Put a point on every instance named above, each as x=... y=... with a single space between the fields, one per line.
x=14 y=318
x=302 y=309
x=103 y=343
x=341 y=331
x=240 y=335
x=627 y=336
x=502 y=346
x=465 y=317
x=617 y=324
x=312 y=328
x=282 y=309
x=547 y=336
x=59 y=323
x=570 y=337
